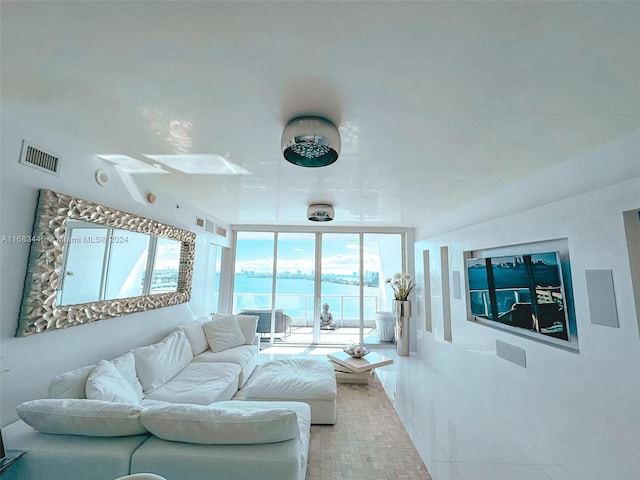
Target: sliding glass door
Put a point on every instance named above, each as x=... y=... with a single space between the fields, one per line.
x=340 y=294
x=315 y=287
x=253 y=275
x=295 y=284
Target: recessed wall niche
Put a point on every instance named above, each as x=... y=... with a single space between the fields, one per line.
x=446 y=293
x=523 y=289
x=427 y=291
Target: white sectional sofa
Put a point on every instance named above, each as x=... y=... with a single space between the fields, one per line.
x=164 y=408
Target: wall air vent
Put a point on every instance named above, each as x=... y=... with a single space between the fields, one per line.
x=221 y=231
x=199 y=222
x=40 y=159
x=209 y=226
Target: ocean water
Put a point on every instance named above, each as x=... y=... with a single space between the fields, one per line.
x=295 y=297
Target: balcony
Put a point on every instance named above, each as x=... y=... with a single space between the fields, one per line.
x=300 y=307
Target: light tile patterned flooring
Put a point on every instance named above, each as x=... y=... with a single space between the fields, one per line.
x=368 y=440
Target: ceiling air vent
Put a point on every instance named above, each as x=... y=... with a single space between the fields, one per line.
x=38 y=158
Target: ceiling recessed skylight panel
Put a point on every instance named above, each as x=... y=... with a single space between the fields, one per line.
x=132 y=165
x=207 y=164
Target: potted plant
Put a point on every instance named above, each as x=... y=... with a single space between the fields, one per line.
x=402 y=285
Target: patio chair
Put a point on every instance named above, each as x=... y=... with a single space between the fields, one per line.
x=282 y=321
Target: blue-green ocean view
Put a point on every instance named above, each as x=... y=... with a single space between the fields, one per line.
x=295 y=296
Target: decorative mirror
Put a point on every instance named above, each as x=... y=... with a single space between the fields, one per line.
x=89 y=262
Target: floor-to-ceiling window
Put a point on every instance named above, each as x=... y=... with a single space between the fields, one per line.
x=340 y=282
x=253 y=275
x=295 y=275
x=290 y=275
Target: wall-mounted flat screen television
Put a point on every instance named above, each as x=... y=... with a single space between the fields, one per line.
x=524 y=291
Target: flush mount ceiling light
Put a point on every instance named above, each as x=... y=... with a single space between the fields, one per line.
x=310 y=142
x=320 y=212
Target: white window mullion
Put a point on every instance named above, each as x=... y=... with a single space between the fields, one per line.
x=318 y=288
x=106 y=261
x=151 y=257
x=274 y=273
x=361 y=319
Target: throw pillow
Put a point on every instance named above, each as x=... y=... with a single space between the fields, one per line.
x=221 y=423
x=248 y=325
x=106 y=383
x=223 y=333
x=158 y=363
x=72 y=416
x=70 y=384
x=195 y=334
x=126 y=365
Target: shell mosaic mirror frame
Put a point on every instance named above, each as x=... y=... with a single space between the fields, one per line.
x=43 y=307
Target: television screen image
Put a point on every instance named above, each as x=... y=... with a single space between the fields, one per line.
x=522 y=291
x=3 y=453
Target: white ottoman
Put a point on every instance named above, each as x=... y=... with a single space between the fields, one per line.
x=308 y=380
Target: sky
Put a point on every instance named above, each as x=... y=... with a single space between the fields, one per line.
x=340 y=254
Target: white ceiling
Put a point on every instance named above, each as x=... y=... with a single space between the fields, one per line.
x=438 y=103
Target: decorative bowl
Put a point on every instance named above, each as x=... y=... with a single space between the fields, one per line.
x=356 y=350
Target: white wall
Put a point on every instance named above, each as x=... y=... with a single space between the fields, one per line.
x=28 y=363
x=582 y=409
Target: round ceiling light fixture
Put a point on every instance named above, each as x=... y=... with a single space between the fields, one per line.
x=320 y=212
x=310 y=142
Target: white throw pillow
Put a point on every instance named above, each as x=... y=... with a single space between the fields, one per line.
x=222 y=423
x=126 y=365
x=223 y=333
x=158 y=363
x=249 y=326
x=195 y=334
x=72 y=416
x=106 y=383
x=70 y=384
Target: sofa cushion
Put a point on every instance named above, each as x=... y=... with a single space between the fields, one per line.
x=200 y=383
x=70 y=384
x=158 y=363
x=222 y=423
x=72 y=416
x=292 y=379
x=106 y=383
x=246 y=356
x=126 y=365
x=239 y=355
x=68 y=457
x=223 y=332
x=248 y=325
x=195 y=334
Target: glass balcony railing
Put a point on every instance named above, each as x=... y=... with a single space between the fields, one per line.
x=300 y=307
